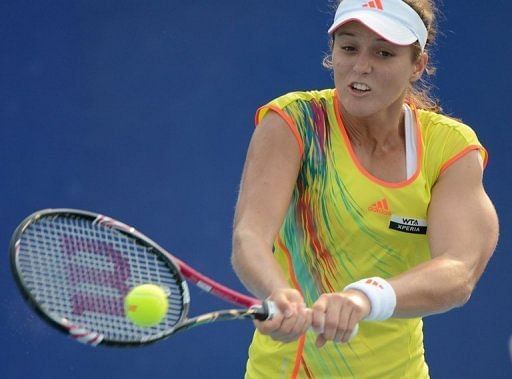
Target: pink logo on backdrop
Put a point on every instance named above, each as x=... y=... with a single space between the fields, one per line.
x=111 y=279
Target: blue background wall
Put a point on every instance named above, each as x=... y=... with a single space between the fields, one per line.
x=143 y=110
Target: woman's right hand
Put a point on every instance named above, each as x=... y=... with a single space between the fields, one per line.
x=292 y=320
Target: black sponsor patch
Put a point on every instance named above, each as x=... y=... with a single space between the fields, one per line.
x=408 y=225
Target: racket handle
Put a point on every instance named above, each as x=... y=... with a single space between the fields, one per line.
x=265 y=311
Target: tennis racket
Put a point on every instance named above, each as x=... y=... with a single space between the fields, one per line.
x=75 y=268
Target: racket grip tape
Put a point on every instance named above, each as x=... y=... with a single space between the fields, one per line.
x=266 y=311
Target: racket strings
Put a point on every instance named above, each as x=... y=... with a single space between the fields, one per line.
x=80 y=271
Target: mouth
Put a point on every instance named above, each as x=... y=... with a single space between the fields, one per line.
x=359 y=88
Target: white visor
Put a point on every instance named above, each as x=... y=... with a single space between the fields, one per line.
x=393 y=20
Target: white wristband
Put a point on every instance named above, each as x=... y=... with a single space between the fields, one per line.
x=381 y=295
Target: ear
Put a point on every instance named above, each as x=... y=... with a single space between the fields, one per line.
x=419 y=67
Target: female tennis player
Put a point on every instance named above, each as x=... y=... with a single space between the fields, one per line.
x=361 y=205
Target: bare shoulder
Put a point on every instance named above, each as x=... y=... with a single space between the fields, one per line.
x=273 y=137
x=461 y=216
x=467 y=170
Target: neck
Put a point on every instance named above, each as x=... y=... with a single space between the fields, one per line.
x=382 y=131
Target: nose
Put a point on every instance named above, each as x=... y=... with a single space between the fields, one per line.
x=362 y=64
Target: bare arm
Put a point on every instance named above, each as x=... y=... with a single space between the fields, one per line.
x=268 y=180
x=463 y=232
x=270 y=173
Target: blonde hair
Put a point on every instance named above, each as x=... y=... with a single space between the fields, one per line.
x=419 y=93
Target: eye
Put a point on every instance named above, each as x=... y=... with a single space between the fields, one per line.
x=385 y=53
x=348 y=48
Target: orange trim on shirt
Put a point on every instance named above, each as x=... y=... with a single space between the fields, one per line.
x=293 y=278
x=459 y=155
x=289 y=121
x=362 y=169
x=298 y=357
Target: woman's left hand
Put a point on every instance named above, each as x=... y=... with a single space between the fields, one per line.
x=335 y=315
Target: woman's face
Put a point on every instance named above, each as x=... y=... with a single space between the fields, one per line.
x=371 y=75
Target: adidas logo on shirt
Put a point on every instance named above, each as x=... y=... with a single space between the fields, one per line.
x=380 y=207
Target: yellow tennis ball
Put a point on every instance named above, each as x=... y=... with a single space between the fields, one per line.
x=146 y=305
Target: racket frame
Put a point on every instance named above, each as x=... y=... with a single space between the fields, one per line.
x=255 y=308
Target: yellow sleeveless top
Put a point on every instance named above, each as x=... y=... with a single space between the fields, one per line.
x=343 y=225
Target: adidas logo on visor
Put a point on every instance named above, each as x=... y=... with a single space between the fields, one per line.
x=377 y=4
